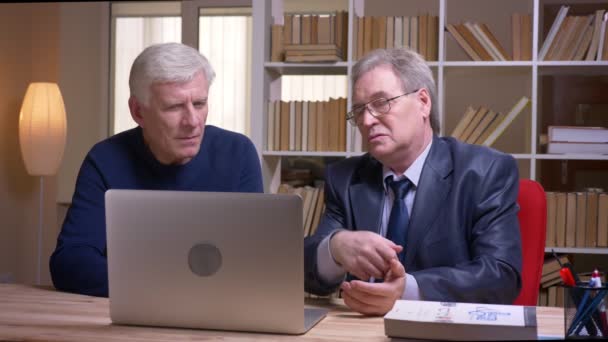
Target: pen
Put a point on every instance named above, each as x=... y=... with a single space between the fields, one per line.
x=565 y=272
x=603 y=318
x=569 y=277
x=597 y=280
x=581 y=309
x=586 y=318
x=596 y=314
x=586 y=314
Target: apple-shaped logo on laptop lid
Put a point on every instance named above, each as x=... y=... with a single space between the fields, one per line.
x=204 y=259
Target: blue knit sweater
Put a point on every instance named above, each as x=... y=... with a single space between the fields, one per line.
x=226 y=162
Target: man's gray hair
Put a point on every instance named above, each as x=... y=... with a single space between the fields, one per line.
x=168 y=62
x=411 y=69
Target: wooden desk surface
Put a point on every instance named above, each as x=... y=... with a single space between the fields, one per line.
x=29 y=313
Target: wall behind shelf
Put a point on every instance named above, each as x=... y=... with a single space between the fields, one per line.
x=562 y=93
x=572 y=175
x=523 y=165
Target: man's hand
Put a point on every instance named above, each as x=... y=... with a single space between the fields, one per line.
x=375 y=298
x=364 y=254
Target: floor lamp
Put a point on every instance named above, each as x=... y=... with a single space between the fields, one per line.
x=42 y=136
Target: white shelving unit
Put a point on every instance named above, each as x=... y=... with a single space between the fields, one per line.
x=460 y=82
x=577 y=250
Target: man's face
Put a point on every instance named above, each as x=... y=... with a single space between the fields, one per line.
x=173 y=122
x=400 y=133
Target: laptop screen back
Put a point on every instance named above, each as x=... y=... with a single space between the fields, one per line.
x=229 y=261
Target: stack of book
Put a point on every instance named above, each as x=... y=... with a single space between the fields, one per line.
x=483 y=126
x=577 y=38
x=550 y=274
x=419 y=33
x=310 y=38
x=313 y=53
x=313 y=204
x=577 y=219
x=570 y=139
x=478 y=42
x=306 y=125
x=550 y=294
x=297 y=177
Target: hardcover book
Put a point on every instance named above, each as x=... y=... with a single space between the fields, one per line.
x=578 y=134
x=460 y=321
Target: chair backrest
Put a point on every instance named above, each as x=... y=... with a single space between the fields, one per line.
x=533 y=226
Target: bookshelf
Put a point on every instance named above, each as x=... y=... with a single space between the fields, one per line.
x=460 y=82
x=577 y=250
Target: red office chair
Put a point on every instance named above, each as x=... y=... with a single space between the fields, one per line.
x=533 y=227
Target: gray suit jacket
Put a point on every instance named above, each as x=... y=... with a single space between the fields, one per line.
x=463 y=239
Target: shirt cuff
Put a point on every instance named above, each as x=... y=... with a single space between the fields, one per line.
x=329 y=270
x=411 y=292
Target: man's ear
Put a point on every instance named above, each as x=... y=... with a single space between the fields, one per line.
x=425 y=99
x=136 y=110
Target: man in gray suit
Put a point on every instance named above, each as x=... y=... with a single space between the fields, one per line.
x=419 y=216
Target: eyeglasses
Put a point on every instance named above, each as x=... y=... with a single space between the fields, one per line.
x=376 y=108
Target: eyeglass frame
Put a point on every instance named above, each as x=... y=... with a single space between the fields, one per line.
x=350 y=116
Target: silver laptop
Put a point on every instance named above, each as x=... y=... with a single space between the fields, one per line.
x=226 y=261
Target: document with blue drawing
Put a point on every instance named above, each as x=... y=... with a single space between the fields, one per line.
x=460 y=321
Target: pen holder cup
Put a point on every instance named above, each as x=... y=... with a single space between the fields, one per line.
x=584 y=312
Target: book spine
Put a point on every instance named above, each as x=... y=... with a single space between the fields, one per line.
x=530 y=316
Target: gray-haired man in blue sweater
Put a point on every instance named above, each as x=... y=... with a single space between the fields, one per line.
x=171 y=149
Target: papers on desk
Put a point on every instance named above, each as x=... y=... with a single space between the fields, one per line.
x=460 y=321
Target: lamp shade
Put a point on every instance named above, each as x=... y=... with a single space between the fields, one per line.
x=42 y=129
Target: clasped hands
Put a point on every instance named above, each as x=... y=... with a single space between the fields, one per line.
x=366 y=254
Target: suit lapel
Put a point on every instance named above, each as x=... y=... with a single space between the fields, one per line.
x=431 y=193
x=367 y=197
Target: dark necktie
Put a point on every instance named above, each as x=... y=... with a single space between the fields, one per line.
x=399 y=218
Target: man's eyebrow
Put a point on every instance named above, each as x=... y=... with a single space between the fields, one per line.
x=373 y=97
x=170 y=103
x=379 y=94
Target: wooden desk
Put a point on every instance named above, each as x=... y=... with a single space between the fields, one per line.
x=35 y=314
